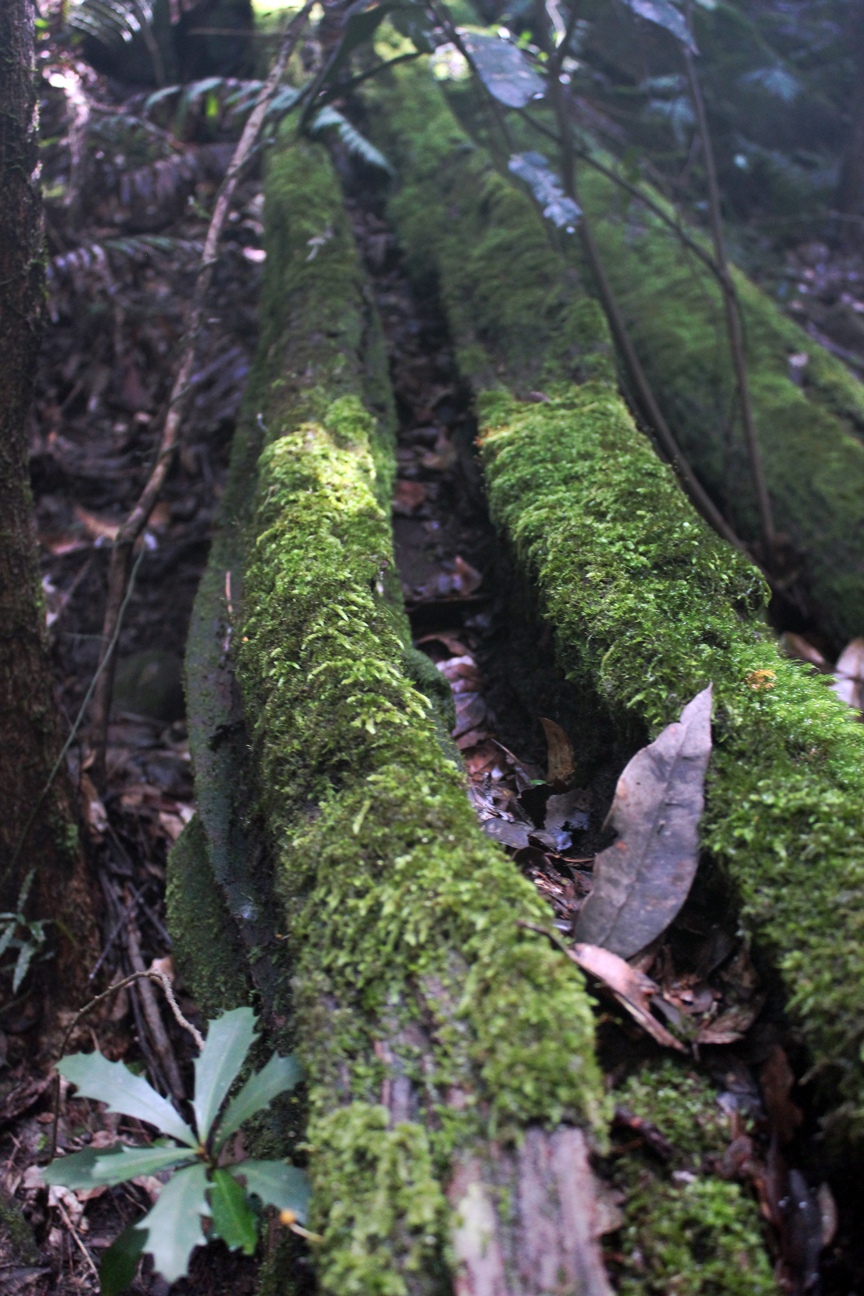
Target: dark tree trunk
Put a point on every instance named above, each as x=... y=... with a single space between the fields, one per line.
x=850 y=193
x=29 y=723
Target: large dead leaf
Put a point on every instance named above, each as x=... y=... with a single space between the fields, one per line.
x=643 y=879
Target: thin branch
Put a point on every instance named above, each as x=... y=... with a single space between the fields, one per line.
x=733 y=316
x=153 y=975
x=107 y=657
x=138 y=518
x=644 y=392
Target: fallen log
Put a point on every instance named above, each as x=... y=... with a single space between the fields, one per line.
x=647 y=605
x=453 y=1090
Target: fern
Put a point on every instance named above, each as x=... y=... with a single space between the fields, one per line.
x=330 y=118
x=113 y=22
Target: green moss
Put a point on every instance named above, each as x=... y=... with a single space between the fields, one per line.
x=686 y=1231
x=396 y=1202
x=647 y=605
x=466 y=225
x=408 y=964
x=809 y=435
x=207 y=948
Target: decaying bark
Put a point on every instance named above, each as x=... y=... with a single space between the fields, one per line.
x=453 y=1088
x=37 y=829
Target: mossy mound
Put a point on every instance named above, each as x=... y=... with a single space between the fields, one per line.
x=687 y=1231
x=428 y=1020
x=810 y=434
x=648 y=606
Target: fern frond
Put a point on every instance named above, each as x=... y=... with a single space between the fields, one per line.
x=330 y=118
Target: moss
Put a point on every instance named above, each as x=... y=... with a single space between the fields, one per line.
x=209 y=955
x=647 y=607
x=686 y=1231
x=396 y=1201
x=464 y=224
x=401 y=917
x=809 y=435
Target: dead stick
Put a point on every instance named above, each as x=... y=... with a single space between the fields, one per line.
x=137 y=520
x=158 y=1034
x=733 y=317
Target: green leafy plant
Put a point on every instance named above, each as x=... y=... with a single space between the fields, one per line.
x=18 y=932
x=201 y=1185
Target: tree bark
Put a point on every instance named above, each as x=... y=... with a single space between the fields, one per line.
x=36 y=830
x=850 y=193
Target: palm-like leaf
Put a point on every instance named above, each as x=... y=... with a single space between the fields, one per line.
x=114 y=1084
x=228 y=1041
x=279 y=1075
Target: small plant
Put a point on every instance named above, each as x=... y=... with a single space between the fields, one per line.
x=18 y=932
x=200 y=1186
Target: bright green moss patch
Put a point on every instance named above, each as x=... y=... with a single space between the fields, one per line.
x=463 y=222
x=400 y=912
x=648 y=607
x=686 y=1232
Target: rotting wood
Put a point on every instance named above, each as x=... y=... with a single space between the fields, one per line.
x=423 y=1013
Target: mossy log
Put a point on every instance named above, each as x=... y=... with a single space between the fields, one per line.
x=453 y=1090
x=809 y=418
x=647 y=604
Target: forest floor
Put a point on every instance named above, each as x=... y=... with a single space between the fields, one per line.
x=123 y=245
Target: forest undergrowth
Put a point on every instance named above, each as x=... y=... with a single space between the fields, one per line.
x=122 y=249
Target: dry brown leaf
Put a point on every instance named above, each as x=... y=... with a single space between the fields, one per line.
x=732 y=1024
x=560 y=762
x=777 y=1079
x=798 y=646
x=633 y=990
x=408 y=496
x=96 y=527
x=641 y=881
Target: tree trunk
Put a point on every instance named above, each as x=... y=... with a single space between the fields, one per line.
x=36 y=831
x=850 y=192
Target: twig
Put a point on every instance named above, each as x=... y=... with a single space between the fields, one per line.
x=152 y=974
x=138 y=518
x=733 y=316
x=158 y=1035
x=124 y=918
x=644 y=392
x=77 y=1240
x=108 y=657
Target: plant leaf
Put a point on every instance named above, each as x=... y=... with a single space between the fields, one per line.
x=534 y=169
x=279 y=1075
x=277 y=1184
x=504 y=70
x=351 y=138
x=174 y=1223
x=229 y=1038
x=359 y=27
x=633 y=989
x=22 y=963
x=120 y=1261
x=664 y=14
x=95 y=1166
x=641 y=881
x=233 y=1218
x=114 y=1084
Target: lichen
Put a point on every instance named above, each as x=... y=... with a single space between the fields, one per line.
x=686 y=1231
